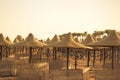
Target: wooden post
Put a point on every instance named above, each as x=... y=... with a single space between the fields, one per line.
x=112 y=56
x=94 y=56
x=67 y=71
x=88 y=58
x=101 y=54
x=118 y=55
x=23 y=50
x=67 y=58
x=15 y=52
x=30 y=56
x=115 y=55
x=75 y=60
x=26 y=49
x=0 y=52
x=55 y=53
x=40 y=53
x=48 y=53
x=104 y=57
x=7 y=51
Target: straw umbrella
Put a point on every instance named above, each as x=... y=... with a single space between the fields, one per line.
x=31 y=42
x=54 y=40
x=19 y=37
x=8 y=49
x=68 y=42
x=16 y=41
x=88 y=39
x=113 y=40
x=47 y=41
x=8 y=39
x=5 y=43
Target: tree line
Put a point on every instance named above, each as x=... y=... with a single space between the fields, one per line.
x=95 y=34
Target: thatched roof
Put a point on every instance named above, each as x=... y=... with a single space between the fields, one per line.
x=8 y=39
x=16 y=41
x=55 y=40
x=3 y=41
x=88 y=39
x=30 y=41
x=20 y=38
x=47 y=41
x=111 y=40
x=68 y=41
x=30 y=37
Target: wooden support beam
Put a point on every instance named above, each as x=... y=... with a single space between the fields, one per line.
x=30 y=56
x=94 y=57
x=112 y=56
x=76 y=60
x=55 y=53
x=0 y=52
x=88 y=58
x=67 y=58
x=104 y=57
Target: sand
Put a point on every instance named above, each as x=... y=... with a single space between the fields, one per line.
x=19 y=69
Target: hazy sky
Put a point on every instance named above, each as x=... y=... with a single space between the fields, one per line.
x=44 y=18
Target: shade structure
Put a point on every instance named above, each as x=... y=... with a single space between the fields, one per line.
x=47 y=41
x=19 y=37
x=16 y=41
x=55 y=40
x=112 y=40
x=30 y=41
x=8 y=39
x=3 y=41
x=89 y=39
x=68 y=41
